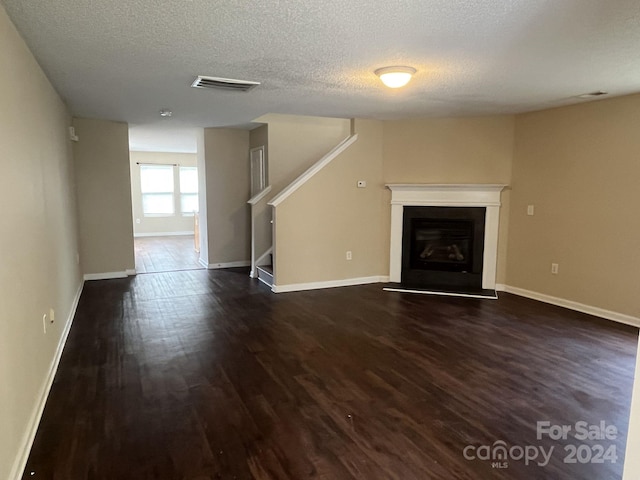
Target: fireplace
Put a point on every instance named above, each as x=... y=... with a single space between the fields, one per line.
x=443 y=247
x=444 y=237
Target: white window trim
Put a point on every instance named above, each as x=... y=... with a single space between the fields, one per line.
x=176 y=194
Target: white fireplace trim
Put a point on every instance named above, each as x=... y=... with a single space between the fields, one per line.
x=447 y=195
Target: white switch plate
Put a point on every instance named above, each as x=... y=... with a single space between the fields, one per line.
x=554 y=268
x=72 y=135
x=349 y=256
x=530 y=209
x=362 y=183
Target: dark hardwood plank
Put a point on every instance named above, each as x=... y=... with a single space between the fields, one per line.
x=165 y=254
x=208 y=375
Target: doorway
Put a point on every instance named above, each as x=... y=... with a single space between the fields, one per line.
x=164 y=194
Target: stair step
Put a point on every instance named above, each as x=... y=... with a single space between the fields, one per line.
x=265 y=274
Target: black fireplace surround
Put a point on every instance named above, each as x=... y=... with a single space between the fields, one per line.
x=442 y=247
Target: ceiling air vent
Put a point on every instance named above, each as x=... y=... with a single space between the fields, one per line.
x=598 y=93
x=224 y=83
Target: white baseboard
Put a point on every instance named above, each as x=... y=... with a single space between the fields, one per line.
x=297 y=287
x=571 y=305
x=163 y=234
x=216 y=266
x=203 y=262
x=109 y=275
x=27 y=441
x=105 y=275
x=501 y=287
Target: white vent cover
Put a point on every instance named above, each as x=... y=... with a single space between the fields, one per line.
x=592 y=94
x=224 y=83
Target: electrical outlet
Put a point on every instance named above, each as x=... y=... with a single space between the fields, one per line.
x=137 y=220
x=52 y=315
x=530 y=209
x=554 y=268
x=349 y=256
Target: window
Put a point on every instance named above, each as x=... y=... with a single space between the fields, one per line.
x=188 y=190
x=157 y=187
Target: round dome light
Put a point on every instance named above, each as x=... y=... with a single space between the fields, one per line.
x=395 y=77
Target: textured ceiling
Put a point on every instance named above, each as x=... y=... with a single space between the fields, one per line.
x=125 y=60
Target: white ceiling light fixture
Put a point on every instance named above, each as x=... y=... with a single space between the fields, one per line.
x=165 y=112
x=395 y=77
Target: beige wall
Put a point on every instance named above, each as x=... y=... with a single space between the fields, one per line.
x=579 y=167
x=228 y=188
x=37 y=240
x=104 y=196
x=294 y=143
x=449 y=150
x=454 y=150
x=160 y=225
x=261 y=212
x=329 y=215
x=259 y=137
x=297 y=142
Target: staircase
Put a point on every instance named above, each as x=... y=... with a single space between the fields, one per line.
x=265 y=274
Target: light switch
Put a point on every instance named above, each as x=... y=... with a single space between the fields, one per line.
x=362 y=183
x=529 y=209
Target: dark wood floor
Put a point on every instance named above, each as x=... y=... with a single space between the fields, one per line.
x=208 y=375
x=166 y=254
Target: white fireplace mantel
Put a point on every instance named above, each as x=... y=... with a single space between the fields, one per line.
x=447 y=195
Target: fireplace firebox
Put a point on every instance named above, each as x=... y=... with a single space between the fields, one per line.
x=443 y=247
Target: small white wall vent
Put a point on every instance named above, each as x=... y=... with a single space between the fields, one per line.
x=224 y=83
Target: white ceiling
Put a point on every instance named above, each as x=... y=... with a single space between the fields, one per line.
x=163 y=137
x=126 y=60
